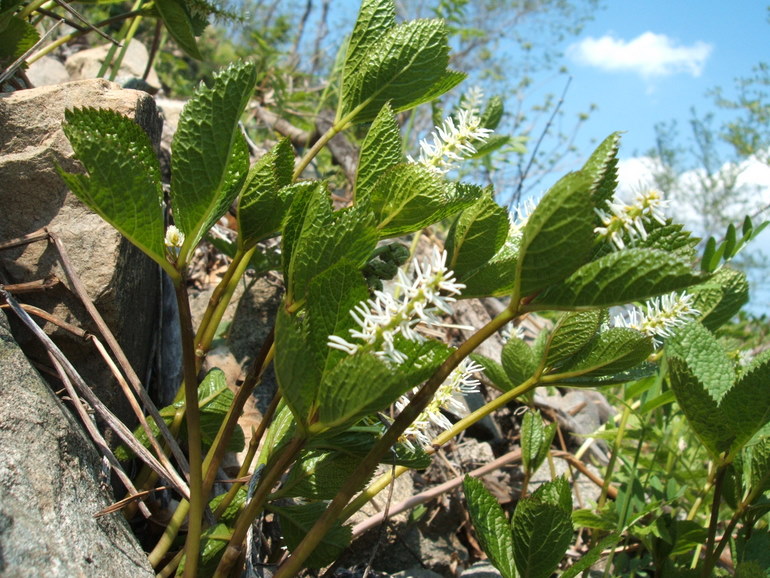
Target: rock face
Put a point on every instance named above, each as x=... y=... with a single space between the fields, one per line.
x=123 y=283
x=50 y=486
x=86 y=63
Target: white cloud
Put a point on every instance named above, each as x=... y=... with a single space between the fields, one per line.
x=648 y=54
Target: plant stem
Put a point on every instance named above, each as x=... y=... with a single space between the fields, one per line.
x=273 y=473
x=714 y=521
x=315 y=149
x=419 y=402
x=192 y=546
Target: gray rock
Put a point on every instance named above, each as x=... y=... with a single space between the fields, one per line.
x=481 y=569
x=47 y=71
x=86 y=64
x=50 y=486
x=123 y=283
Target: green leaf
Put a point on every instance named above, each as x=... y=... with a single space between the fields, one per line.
x=209 y=154
x=265 y=198
x=331 y=297
x=494 y=372
x=491 y=526
x=405 y=66
x=215 y=399
x=587 y=560
x=408 y=197
x=558 y=236
x=542 y=529
x=497 y=277
x=176 y=17
x=318 y=475
x=17 y=37
x=721 y=297
x=477 y=234
x=380 y=151
x=213 y=543
x=747 y=405
x=375 y=18
x=536 y=440
x=619 y=278
x=614 y=350
x=124 y=184
x=230 y=514
x=571 y=334
x=701 y=375
x=296 y=370
x=296 y=521
x=757 y=464
x=324 y=238
x=493 y=113
x=518 y=361
x=602 y=165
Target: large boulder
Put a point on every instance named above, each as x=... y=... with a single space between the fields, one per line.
x=51 y=485
x=123 y=283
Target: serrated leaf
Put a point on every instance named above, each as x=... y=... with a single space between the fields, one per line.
x=493 y=113
x=297 y=520
x=123 y=185
x=331 y=297
x=621 y=277
x=380 y=151
x=476 y=235
x=375 y=18
x=408 y=197
x=17 y=37
x=558 y=236
x=497 y=277
x=176 y=17
x=265 y=198
x=536 y=440
x=587 y=560
x=757 y=465
x=358 y=442
x=324 y=238
x=602 y=166
x=636 y=373
x=518 y=360
x=572 y=333
x=494 y=372
x=491 y=526
x=671 y=237
x=301 y=195
x=214 y=540
x=208 y=152
x=613 y=351
x=542 y=529
x=405 y=66
x=747 y=404
x=733 y=295
x=318 y=475
x=230 y=513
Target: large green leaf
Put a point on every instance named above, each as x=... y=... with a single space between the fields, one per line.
x=747 y=405
x=613 y=351
x=408 y=197
x=542 y=529
x=558 y=237
x=375 y=18
x=318 y=475
x=123 y=185
x=721 y=297
x=380 y=151
x=701 y=375
x=476 y=235
x=297 y=520
x=602 y=165
x=619 y=278
x=536 y=440
x=176 y=17
x=491 y=526
x=17 y=37
x=405 y=65
x=266 y=196
x=497 y=277
x=209 y=156
x=757 y=464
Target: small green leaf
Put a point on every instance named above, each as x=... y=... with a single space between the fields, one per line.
x=123 y=185
x=296 y=521
x=176 y=17
x=619 y=278
x=318 y=475
x=558 y=237
x=230 y=513
x=491 y=526
x=542 y=529
x=614 y=350
x=571 y=334
x=602 y=166
x=213 y=543
x=208 y=153
x=265 y=198
x=518 y=361
x=17 y=37
x=722 y=305
x=494 y=372
x=380 y=151
x=536 y=440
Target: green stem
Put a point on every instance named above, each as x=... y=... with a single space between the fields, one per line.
x=273 y=473
x=30 y=8
x=315 y=149
x=614 y=456
x=195 y=522
x=714 y=521
x=419 y=402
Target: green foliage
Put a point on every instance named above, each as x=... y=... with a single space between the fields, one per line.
x=491 y=526
x=536 y=439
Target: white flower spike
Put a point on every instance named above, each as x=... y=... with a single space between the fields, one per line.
x=662 y=316
x=623 y=219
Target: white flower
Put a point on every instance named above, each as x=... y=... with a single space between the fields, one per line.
x=661 y=317
x=174 y=240
x=432 y=420
x=622 y=219
x=453 y=141
x=423 y=296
